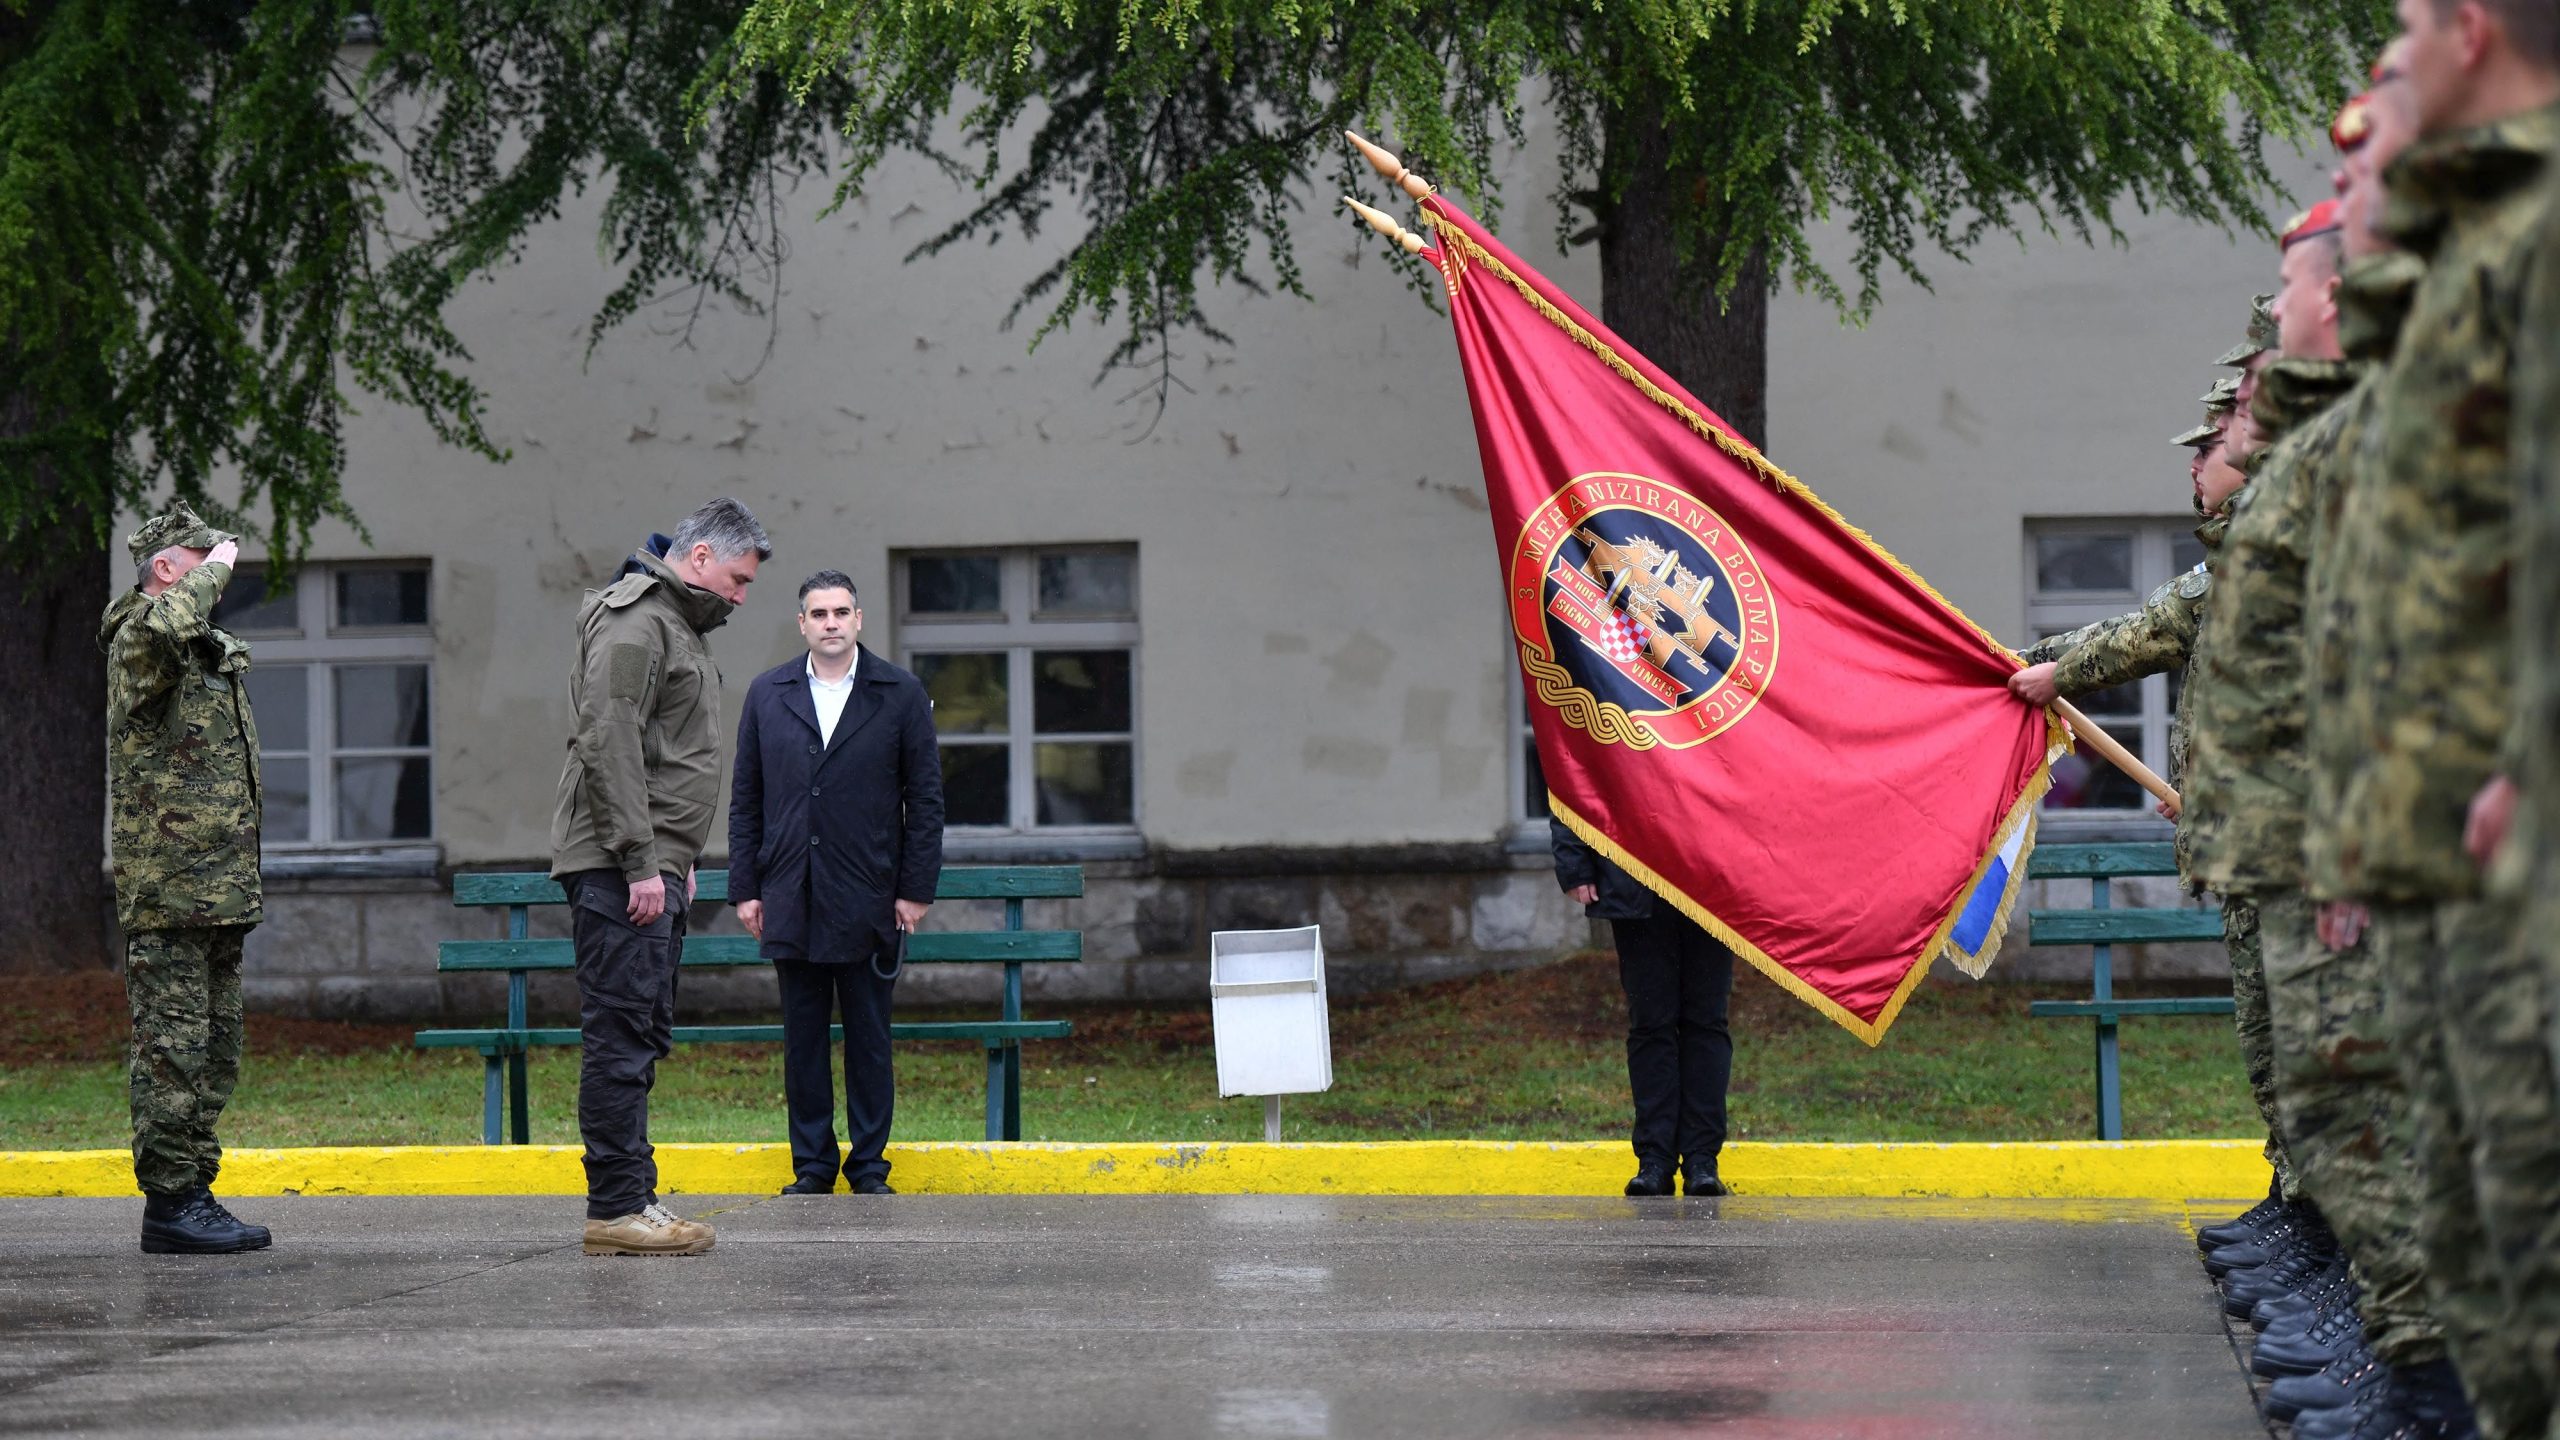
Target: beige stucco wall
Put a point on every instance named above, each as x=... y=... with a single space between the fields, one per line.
x=1321 y=660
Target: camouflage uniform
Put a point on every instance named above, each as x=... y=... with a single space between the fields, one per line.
x=2424 y=712
x=2343 y=1111
x=2530 y=867
x=182 y=777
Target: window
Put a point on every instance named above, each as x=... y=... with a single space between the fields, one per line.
x=343 y=690
x=1031 y=659
x=2084 y=570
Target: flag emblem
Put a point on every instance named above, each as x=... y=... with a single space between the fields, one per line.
x=1642 y=618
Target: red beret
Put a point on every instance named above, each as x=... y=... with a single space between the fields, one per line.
x=2353 y=126
x=2320 y=219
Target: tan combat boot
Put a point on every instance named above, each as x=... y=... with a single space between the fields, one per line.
x=655 y=1230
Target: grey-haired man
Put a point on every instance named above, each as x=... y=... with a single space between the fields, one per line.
x=636 y=800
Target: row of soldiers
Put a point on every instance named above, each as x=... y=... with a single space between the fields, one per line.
x=2369 y=748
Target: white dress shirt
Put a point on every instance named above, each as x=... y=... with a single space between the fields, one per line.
x=829 y=697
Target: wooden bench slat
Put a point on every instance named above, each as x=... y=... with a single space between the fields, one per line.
x=2121 y=927
x=996 y=1030
x=2062 y=862
x=935 y=947
x=2109 y=1009
x=959 y=882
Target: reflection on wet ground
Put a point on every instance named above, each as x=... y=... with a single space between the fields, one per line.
x=1174 y=1316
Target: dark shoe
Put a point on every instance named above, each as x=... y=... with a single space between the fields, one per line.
x=2245 y=1225
x=2306 y=1307
x=196 y=1224
x=2308 y=1351
x=2414 y=1402
x=2346 y=1379
x=2294 y=1226
x=873 y=1185
x=2244 y=1291
x=1651 y=1179
x=1696 y=1181
x=812 y=1185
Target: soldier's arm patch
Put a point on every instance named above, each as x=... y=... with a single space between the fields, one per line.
x=627 y=668
x=2194 y=583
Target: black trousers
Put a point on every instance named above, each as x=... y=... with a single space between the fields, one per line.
x=626 y=1025
x=812 y=995
x=1679 y=980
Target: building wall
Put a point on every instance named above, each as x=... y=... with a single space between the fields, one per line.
x=1324 y=696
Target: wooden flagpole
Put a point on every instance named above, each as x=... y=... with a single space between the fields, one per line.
x=2113 y=751
x=1385 y=224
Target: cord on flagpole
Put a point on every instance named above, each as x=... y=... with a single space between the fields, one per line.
x=2113 y=751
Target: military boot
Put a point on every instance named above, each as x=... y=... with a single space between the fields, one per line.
x=2307 y=1352
x=2414 y=1402
x=2304 y=1268
x=2244 y=1226
x=2315 y=1302
x=196 y=1224
x=2292 y=1225
x=2340 y=1384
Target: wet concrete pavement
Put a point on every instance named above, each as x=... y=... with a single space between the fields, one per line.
x=1172 y=1316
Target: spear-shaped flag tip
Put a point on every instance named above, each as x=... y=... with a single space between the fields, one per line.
x=1385 y=224
x=1389 y=166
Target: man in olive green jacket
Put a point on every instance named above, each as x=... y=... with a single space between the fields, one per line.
x=636 y=800
x=2425 y=713
x=183 y=806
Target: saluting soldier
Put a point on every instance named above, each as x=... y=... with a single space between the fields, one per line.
x=182 y=785
x=2424 y=716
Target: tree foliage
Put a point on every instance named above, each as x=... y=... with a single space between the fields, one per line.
x=217 y=217
x=1187 y=133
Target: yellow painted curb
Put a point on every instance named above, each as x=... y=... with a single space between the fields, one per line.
x=2167 y=1170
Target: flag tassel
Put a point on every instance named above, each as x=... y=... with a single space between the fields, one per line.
x=2113 y=752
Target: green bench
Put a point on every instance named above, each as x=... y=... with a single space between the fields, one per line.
x=503 y=1049
x=2102 y=927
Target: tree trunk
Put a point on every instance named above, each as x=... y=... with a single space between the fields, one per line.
x=1720 y=354
x=53 y=767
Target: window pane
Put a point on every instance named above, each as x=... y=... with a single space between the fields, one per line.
x=1536 y=800
x=382 y=707
x=1080 y=692
x=2186 y=552
x=968 y=692
x=284 y=795
x=245 y=605
x=2084 y=562
x=1087 y=783
x=2082 y=781
x=1087 y=585
x=955 y=585
x=975 y=782
x=379 y=598
x=280 y=700
x=385 y=798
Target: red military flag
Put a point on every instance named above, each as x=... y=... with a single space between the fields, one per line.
x=1738 y=696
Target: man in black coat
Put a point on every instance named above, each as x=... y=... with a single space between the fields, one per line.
x=835 y=846
x=1678 y=980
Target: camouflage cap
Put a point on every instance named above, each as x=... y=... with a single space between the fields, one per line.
x=2223 y=398
x=2262 y=333
x=2201 y=436
x=178 y=525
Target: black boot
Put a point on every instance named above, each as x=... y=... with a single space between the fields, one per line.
x=2246 y=1224
x=2308 y=1351
x=2308 y=1306
x=1698 y=1178
x=196 y=1224
x=2289 y=1226
x=1653 y=1177
x=2413 y=1402
x=2245 y=1290
x=2348 y=1379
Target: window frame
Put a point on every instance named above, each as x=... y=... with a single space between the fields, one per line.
x=321 y=647
x=1018 y=632
x=2156 y=543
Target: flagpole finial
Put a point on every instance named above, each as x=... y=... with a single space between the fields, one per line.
x=1385 y=224
x=1388 y=166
